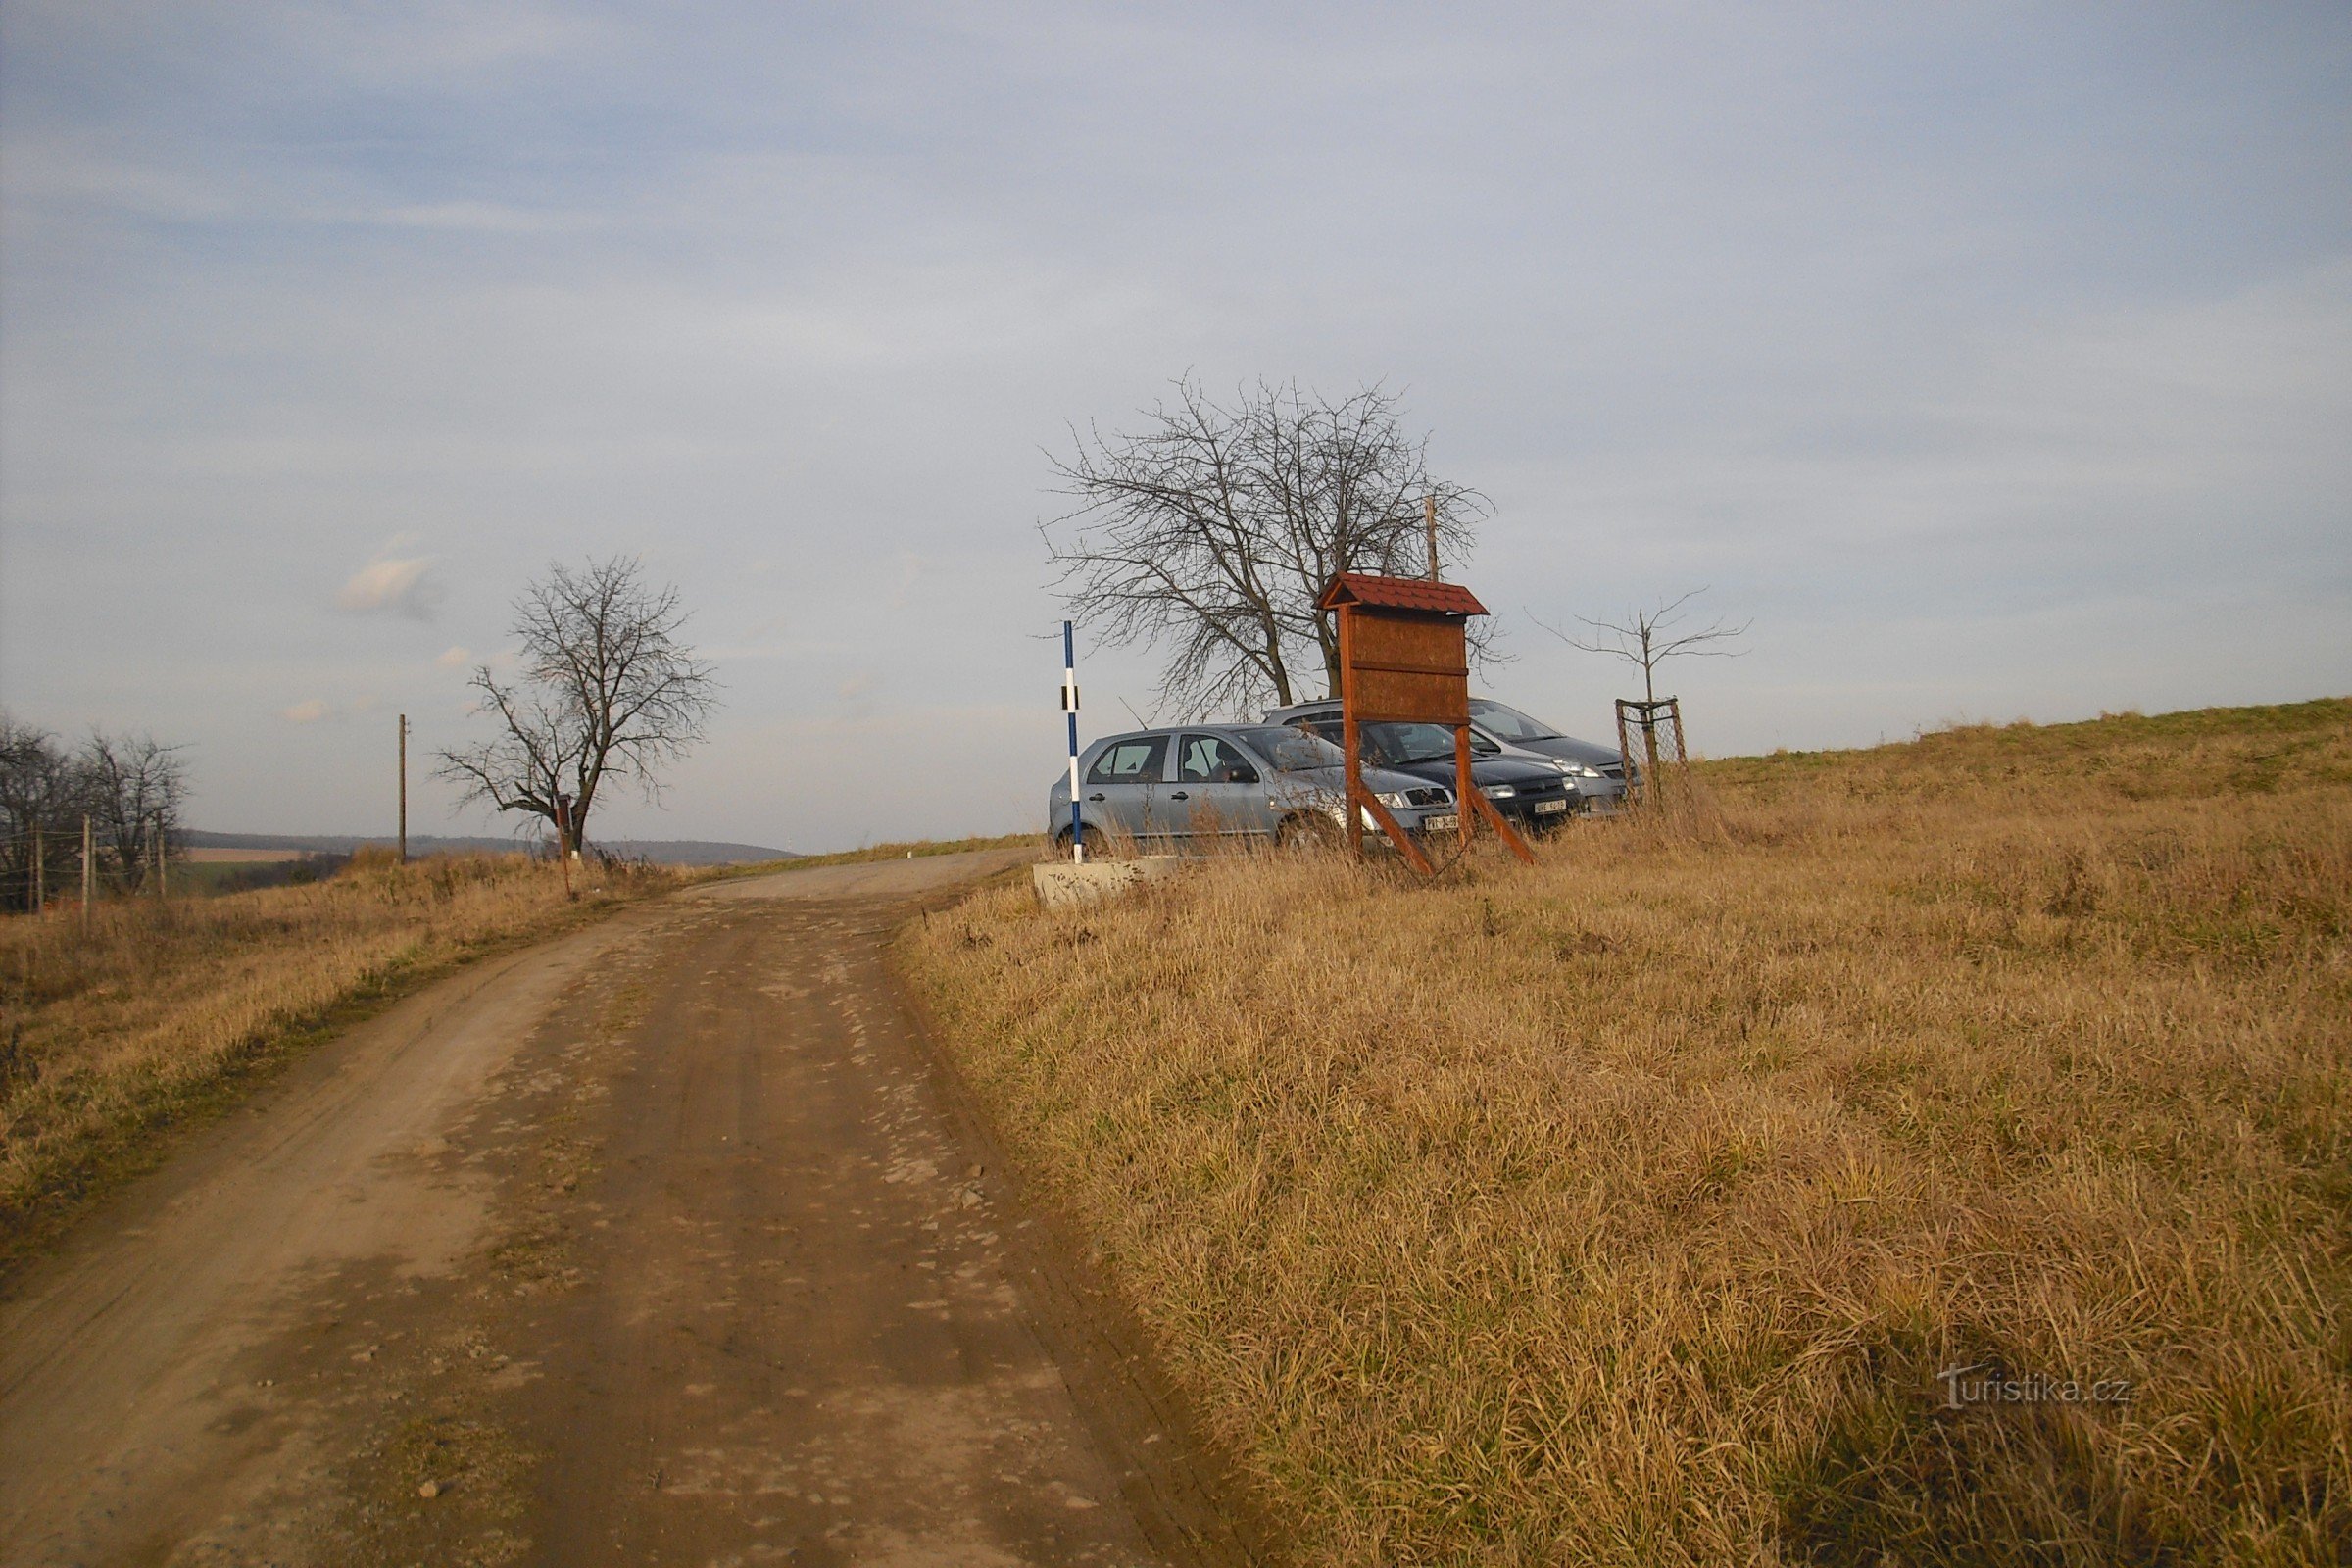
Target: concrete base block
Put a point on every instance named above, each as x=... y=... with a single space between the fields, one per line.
x=1066 y=886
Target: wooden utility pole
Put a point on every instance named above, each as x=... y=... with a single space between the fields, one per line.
x=89 y=864
x=160 y=892
x=39 y=885
x=404 y=789
x=1429 y=520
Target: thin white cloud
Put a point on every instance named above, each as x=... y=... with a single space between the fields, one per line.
x=393 y=584
x=454 y=656
x=309 y=710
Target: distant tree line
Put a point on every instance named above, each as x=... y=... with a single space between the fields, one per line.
x=131 y=787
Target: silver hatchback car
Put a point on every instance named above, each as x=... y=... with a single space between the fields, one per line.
x=1191 y=784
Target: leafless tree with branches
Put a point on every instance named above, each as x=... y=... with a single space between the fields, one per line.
x=133 y=787
x=1216 y=529
x=1649 y=636
x=40 y=794
x=606 y=690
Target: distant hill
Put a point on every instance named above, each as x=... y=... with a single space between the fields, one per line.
x=666 y=851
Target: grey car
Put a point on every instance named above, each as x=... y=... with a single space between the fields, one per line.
x=1500 y=732
x=1600 y=772
x=1531 y=791
x=1190 y=784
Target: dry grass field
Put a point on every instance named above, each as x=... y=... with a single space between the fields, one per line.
x=161 y=1010
x=1626 y=1208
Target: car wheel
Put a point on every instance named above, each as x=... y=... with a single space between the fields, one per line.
x=1308 y=831
x=1094 y=844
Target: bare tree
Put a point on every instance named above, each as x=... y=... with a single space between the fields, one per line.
x=1649 y=637
x=40 y=794
x=1216 y=529
x=606 y=690
x=133 y=788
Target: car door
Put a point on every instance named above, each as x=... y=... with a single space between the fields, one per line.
x=1123 y=784
x=1218 y=791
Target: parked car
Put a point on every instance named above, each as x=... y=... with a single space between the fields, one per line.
x=1534 y=792
x=1599 y=770
x=1190 y=783
x=1597 y=788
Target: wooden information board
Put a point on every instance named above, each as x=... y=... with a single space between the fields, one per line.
x=1404 y=657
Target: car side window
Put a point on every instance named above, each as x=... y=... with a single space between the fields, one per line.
x=1333 y=727
x=1210 y=760
x=1130 y=762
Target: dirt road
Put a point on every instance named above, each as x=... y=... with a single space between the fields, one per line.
x=662 y=1243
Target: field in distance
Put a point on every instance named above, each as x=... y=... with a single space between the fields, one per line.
x=1934 y=1153
x=259 y=846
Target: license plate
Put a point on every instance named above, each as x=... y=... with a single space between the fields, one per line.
x=1551 y=807
x=1440 y=824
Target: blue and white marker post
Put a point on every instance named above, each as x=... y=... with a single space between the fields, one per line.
x=1069 y=706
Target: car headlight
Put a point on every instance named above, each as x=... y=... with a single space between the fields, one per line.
x=1497 y=792
x=1390 y=798
x=1565 y=765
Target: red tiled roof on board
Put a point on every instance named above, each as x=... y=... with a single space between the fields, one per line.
x=1399 y=593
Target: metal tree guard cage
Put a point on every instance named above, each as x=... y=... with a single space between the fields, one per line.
x=1664 y=761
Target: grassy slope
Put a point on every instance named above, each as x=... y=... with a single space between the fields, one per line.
x=1625 y=1208
x=164 y=1013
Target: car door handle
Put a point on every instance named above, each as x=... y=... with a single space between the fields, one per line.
x=1094 y=797
x=1180 y=795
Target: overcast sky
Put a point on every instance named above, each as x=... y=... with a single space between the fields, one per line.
x=1995 y=360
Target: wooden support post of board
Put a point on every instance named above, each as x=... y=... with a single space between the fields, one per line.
x=1351 y=832
x=1503 y=828
x=88 y=868
x=1465 y=784
x=1405 y=846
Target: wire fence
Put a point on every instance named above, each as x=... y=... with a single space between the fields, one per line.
x=46 y=865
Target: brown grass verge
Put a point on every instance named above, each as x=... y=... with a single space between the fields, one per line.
x=162 y=1013
x=1626 y=1208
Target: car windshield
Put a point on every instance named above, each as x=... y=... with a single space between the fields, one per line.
x=1510 y=723
x=1293 y=750
x=1393 y=745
